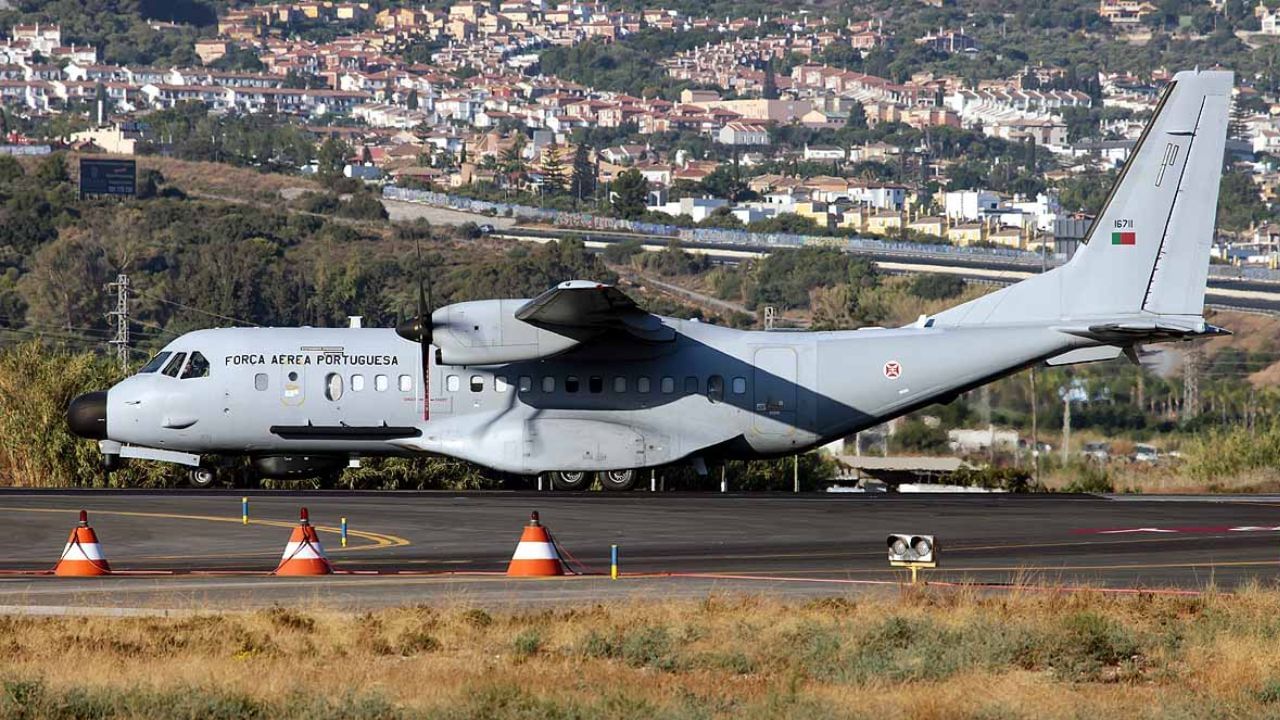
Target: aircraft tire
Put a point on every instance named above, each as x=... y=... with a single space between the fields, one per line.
x=572 y=481
x=201 y=477
x=618 y=480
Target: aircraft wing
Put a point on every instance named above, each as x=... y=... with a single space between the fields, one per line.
x=582 y=305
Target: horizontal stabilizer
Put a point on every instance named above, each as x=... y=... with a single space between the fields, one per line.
x=1163 y=329
x=1085 y=355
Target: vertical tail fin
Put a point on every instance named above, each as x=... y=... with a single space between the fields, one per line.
x=1148 y=250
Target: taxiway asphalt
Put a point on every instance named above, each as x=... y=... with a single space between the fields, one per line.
x=438 y=546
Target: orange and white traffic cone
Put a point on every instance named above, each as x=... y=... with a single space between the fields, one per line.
x=304 y=555
x=536 y=555
x=82 y=557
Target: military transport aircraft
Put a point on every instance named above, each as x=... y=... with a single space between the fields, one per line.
x=580 y=380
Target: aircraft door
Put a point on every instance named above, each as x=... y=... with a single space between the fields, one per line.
x=775 y=390
x=293 y=385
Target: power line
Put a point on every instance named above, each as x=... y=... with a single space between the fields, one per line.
x=198 y=310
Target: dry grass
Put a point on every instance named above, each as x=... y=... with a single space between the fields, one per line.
x=919 y=655
x=225 y=181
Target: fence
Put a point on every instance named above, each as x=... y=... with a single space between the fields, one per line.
x=721 y=236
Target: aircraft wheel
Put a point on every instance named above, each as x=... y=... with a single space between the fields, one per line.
x=572 y=481
x=112 y=463
x=201 y=477
x=619 y=480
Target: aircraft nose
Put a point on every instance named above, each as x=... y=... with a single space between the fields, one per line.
x=87 y=415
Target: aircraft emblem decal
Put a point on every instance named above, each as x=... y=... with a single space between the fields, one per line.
x=892 y=369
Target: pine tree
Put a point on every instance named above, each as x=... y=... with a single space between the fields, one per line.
x=631 y=194
x=412 y=100
x=553 y=171
x=769 y=91
x=857 y=119
x=582 y=181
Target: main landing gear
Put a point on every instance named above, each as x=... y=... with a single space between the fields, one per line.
x=577 y=480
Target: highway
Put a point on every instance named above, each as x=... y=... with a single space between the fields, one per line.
x=1224 y=292
x=189 y=548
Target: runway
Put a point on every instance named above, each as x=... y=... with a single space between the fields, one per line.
x=438 y=547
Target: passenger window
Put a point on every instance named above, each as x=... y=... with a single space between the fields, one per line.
x=595 y=384
x=619 y=384
x=477 y=383
x=406 y=383
x=691 y=385
x=642 y=384
x=715 y=388
x=174 y=365
x=260 y=381
x=548 y=384
x=526 y=383
x=197 y=368
x=155 y=363
x=357 y=383
x=571 y=384
x=739 y=386
x=668 y=385
x=333 y=386
x=452 y=383
x=500 y=383
x=381 y=383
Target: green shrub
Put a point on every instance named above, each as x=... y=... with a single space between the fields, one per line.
x=1090 y=478
x=935 y=286
x=528 y=643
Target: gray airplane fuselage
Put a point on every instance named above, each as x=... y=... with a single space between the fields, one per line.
x=711 y=391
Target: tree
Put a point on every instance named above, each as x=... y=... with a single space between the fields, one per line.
x=512 y=159
x=936 y=286
x=331 y=158
x=630 y=194
x=724 y=182
x=412 y=101
x=857 y=119
x=769 y=86
x=553 y=170
x=52 y=171
x=582 y=181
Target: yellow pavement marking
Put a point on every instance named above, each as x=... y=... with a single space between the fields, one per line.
x=380 y=541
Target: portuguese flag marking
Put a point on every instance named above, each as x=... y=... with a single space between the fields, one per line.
x=1124 y=238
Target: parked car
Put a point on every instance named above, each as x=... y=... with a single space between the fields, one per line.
x=1099 y=452
x=1146 y=453
x=486 y=229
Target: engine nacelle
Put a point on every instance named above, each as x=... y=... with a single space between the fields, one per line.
x=486 y=332
x=297 y=466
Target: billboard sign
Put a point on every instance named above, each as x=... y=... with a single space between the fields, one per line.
x=108 y=177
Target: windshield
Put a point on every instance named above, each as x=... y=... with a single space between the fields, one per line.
x=197 y=367
x=155 y=363
x=174 y=365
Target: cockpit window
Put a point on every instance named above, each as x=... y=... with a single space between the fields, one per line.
x=198 y=367
x=174 y=365
x=155 y=363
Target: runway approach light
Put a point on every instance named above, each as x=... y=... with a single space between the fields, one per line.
x=913 y=551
